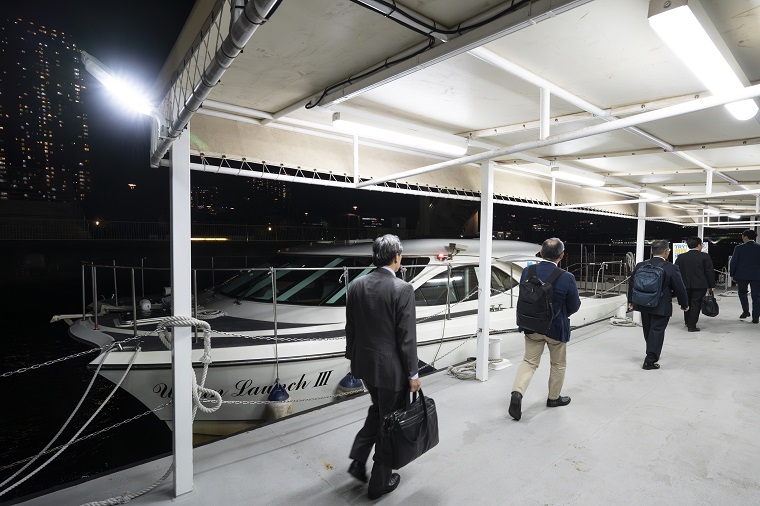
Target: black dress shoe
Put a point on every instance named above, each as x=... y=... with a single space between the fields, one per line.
x=745 y=314
x=755 y=321
x=390 y=487
x=515 y=406
x=650 y=365
x=559 y=401
x=357 y=470
x=694 y=329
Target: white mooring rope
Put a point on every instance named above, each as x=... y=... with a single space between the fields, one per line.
x=198 y=389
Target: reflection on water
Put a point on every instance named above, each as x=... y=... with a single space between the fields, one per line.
x=39 y=401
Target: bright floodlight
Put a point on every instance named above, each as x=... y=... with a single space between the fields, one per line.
x=123 y=91
x=679 y=28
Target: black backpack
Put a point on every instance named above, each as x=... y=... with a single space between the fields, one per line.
x=647 y=285
x=534 y=304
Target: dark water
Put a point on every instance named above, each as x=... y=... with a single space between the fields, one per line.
x=40 y=280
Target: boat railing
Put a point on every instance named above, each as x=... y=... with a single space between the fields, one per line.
x=598 y=278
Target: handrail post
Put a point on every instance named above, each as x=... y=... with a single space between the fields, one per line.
x=84 y=300
x=448 y=293
x=95 y=293
x=511 y=290
x=115 y=287
x=195 y=300
x=134 y=303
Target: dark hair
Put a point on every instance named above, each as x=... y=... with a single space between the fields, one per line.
x=750 y=234
x=552 y=249
x=693 y=242
x=385 y=248
x=660 y=246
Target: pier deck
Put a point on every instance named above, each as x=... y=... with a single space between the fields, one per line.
x=684 y=434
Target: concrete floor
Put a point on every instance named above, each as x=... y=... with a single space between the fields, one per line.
x=685 y=434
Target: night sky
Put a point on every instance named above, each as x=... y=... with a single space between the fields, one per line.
x=133 y=39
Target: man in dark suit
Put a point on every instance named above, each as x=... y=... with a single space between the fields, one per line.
x=745 y=270
x=381 y=343
x=565 y=301
x=654 y=320
x=698 y=276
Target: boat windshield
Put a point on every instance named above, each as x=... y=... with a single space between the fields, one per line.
x=310 y=280
x=460 y=285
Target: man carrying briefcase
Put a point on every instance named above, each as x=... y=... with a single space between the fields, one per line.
x=381 y=343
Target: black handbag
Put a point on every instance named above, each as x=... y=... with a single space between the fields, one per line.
x=407 y=433
x=710 y=305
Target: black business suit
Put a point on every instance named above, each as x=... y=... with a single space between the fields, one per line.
x=654 y=320
x=745 y=269
x=698 y=276
x=381 y=343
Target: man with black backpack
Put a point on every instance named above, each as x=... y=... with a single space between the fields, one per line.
x=548 y=296
x=650 y=292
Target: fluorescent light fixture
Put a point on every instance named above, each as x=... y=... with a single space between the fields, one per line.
x=649 y=194
x=677 y=25
x=583 y=180
x=734 y=216
x=452 y=146
x=122 y=90
x=712 y=212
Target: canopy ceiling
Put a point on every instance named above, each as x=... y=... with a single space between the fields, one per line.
x=600 y=56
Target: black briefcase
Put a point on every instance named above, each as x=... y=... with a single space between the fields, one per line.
x=710 y=305
x=407 y=433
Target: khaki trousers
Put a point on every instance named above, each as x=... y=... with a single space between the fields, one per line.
x=534 y=348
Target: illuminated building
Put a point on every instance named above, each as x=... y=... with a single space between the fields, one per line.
x=44 y=150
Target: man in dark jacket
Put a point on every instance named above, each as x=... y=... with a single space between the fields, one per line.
x=381 y=343
x=698 y=276
x=654 y=320
x=745 y=269
x=565 y=301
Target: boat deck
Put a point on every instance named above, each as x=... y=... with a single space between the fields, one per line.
x=684 y=434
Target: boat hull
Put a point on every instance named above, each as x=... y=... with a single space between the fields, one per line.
x=310 y=371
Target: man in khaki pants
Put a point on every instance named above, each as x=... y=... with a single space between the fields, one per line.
x=565 y=301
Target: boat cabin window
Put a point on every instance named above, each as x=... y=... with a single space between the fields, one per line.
x=463 y=285
x=306 y=279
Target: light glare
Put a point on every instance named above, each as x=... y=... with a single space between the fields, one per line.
x=686 y=37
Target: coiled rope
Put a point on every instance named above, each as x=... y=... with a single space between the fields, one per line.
x=467 y=370
x=166 y=337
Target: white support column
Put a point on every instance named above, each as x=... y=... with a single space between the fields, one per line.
x=554 y=191
x=486 y=246
x=181 y=306
x=545 y=117
x=640 y=230
x=356 y=159
x=709 y=181
x=701 y=226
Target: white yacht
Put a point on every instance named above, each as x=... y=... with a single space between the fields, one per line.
x=298 y=340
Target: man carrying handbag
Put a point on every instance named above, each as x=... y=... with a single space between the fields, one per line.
x=381 y=343
x=698 y=276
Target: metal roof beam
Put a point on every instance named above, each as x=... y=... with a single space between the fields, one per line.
x=618 y=124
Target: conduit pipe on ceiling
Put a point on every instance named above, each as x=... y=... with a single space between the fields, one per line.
x=256 y=13
x=524 y=74
x=618 y=124
x=416 y=23
x=455 y=46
